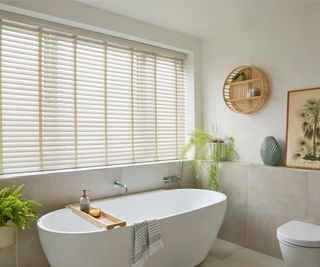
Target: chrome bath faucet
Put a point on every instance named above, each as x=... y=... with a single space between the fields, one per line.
x=118 y=184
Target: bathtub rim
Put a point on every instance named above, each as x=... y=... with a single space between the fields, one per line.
x=40 y=226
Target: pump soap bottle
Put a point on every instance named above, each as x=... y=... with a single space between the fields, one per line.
x=85 y=202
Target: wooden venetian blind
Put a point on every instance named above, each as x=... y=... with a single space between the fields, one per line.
x=67 y=100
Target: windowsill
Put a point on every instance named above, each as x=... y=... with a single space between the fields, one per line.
x=37 y=173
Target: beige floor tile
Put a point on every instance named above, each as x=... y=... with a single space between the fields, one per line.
x=227 y=254
x=250 y=258
x=210 y=261
x=222 y=249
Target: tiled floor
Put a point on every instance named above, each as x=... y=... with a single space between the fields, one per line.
x=226 y=254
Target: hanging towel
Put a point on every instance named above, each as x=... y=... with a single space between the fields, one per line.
x=139 y=244
x=146 y=241
x=154 y=237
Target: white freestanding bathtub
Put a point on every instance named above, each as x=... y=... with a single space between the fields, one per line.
x=189 y=219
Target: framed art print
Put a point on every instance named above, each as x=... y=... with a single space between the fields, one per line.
x=303 y=129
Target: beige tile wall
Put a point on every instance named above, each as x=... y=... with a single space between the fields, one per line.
x=54 y=191
x=261 y=198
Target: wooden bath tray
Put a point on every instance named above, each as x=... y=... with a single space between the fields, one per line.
x=105 y=220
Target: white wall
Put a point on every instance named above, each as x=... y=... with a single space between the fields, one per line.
x=286 y=48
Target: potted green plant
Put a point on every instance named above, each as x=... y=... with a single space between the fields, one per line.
x=16 y=213
x=208 y=152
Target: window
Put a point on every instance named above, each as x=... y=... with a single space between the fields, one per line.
x=68 y=100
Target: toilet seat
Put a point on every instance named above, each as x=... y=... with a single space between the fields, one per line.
x=300 y=234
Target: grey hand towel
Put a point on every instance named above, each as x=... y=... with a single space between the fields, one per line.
x=146 y=241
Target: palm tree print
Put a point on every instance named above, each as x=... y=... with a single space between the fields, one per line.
x=309 y=144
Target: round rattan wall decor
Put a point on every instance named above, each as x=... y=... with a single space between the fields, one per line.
x=246 y=89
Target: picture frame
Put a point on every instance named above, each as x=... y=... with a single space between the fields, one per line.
x=303 y=129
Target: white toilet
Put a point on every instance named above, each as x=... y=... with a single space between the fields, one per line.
x=300 y=244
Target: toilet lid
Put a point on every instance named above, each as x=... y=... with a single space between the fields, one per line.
x=300 y=234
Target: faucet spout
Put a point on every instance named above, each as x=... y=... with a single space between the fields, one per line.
x=173 y=179
x=118 y=184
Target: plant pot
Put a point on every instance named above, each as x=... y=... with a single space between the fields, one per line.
x=8 y=234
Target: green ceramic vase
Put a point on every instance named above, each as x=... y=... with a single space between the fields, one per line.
x=270 y=151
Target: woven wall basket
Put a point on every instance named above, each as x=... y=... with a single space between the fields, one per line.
x=249 y=95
